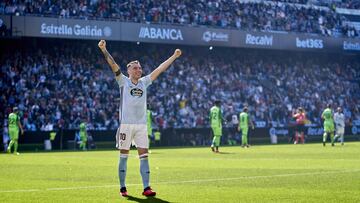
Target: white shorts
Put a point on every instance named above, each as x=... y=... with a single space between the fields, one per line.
x=340 y=131
x=128 y=133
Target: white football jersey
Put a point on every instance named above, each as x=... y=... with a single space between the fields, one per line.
x=132 y=108
x=339 y=119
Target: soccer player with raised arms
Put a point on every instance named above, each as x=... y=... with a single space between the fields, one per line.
x=132 y=114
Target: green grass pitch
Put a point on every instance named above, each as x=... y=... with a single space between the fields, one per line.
x=281 y=173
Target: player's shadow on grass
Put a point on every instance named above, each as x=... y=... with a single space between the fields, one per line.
x=148 y=199
x=226 y=153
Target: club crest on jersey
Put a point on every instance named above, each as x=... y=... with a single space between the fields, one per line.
x=136 y=92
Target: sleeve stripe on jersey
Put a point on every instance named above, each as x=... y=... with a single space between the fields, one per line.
x=121 y=103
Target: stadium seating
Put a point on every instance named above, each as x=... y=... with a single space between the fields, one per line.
x=56 y=87
x=283 y=15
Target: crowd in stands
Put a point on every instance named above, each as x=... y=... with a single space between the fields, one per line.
x=57 y=87
x=254 y=16
x=333 y=4
x=349 y=4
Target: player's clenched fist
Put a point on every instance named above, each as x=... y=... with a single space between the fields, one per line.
x=177 y=53
x=102 y=44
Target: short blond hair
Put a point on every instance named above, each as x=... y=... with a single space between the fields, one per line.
x=132 y=62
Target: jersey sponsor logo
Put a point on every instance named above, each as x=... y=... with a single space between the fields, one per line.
x=160 y=33
x=351 y=46
x=76 y=30
x=309 y=43
x=215 y=36
x=136 y=92
x=264 y=40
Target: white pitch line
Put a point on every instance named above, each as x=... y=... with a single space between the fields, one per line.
x=256 y=177
x=79 y=188
x=25 y=190
x=180 y=182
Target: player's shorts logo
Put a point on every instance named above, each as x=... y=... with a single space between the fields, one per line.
x=136 y=92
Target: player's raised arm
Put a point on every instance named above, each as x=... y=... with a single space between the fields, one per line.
x=113 y=65
x=165 y=65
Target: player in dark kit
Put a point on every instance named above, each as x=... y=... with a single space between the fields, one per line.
x=300 y=125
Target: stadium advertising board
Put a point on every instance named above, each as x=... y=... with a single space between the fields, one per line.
x=275 y=131
x=309 y=43
x=174 y=34
x=173 y=137
x=351 y=45
x=154 y=33
x=5 y=20
x=216 y=37
x=313 y=131
x=65 y=28
x=356 y=127
x=258 y=40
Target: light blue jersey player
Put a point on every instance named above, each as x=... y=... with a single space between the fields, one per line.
x=339 y=120
x=133 y=99
x=132 y=114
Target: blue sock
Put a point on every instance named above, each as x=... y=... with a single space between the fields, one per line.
x=122 y=169
x=144 y=170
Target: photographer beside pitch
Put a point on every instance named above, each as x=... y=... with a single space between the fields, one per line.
x=132 y=114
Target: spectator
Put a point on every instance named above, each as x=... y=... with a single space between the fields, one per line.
x=57 y=86
x=276 y=15
x=3 y=28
